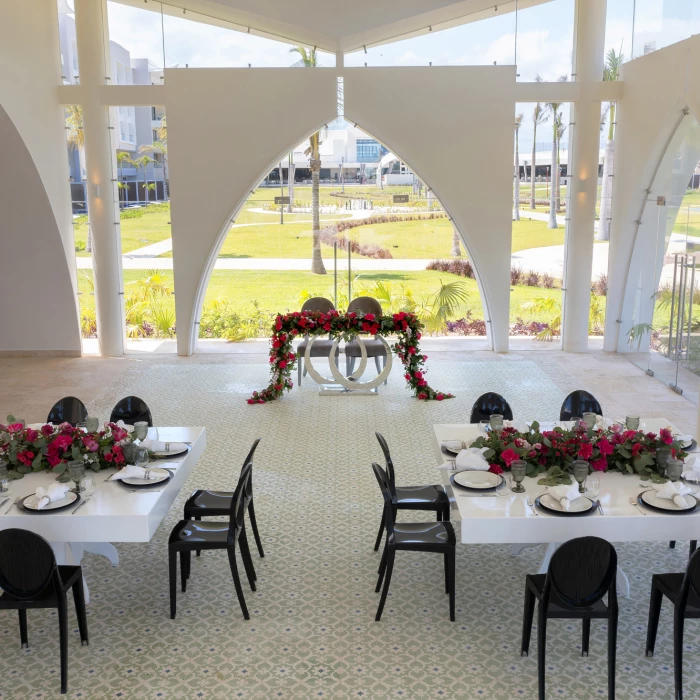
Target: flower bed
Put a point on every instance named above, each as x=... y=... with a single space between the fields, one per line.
x=552 y=452
x=53 y=446
x=406 y=326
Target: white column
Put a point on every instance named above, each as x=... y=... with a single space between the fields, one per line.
x=100 y=160
x=584 y=145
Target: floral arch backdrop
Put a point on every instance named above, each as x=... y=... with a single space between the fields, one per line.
x=287 y=327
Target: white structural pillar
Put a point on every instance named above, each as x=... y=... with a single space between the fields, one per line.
x=584 y=148
x=100 y=161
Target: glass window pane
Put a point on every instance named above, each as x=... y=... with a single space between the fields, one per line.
x=659 y=23
x=70 y=72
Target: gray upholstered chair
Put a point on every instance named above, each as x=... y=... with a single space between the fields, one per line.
x=321 y=346
x=375 y=348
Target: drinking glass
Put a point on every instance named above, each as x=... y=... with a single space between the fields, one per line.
x=589 y=419
x=575 y=422
x=518 y=469
x=141 y=430
x=663 y=454
x=592 y=486
x=496 y=421
x=81 y=426
x=674 y=469
x=5 y=481
x=87 y=485
x=580 y=469
x=484 y=427
x=76 y=471
x=92 y=423
x=632 y=422
x=141 y=456
x=129 y=452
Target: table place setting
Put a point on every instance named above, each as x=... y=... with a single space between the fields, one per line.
x=671 y=497
x=138 y=477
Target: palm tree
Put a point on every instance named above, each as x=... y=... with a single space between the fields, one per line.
x=290 y=183
x=516 y=181
x=162 y=148
x=142 y=162
x=123 y=158
x=76 y=140
x=162 y=130
x=613 y=61
x=539 y=116
x=560 y=132
x=553 y=108
x=308 y=60
x=456 y=251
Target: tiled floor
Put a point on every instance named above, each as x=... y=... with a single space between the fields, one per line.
x=312 y=632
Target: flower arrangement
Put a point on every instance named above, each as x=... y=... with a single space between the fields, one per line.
x=552 y=452
x=406 y=326
x=53 y=446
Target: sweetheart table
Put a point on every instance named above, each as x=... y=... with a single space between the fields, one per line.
x=508 y=518
x=113 y=513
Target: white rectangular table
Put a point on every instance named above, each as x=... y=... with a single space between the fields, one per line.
x=508 y=519
x=113 y=514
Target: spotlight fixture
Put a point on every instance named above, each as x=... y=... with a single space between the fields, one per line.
x=365 y=48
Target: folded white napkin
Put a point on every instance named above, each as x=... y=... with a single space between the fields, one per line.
x=454 y=445
x=160 y=446
x=565 y=493
x=55 y=492
x=673 y=491
x=519 y=424
x=691 y=468
x=472 y=458
x=603 y=423
x=131 y=471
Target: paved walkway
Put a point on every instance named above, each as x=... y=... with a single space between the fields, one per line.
x=550 y=259
x=540 y=216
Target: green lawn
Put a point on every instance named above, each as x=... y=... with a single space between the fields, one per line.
x=280 y=290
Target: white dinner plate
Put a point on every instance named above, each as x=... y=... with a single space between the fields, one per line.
x=652 y=499
x=582 y=504
x=176 y=449
x=163 y=475
x=477 y=480
x=31 y=502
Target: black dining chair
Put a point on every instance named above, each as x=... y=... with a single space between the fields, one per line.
x=205 y=502
x=131 y=409
x=433 y=498
x=30 y=578
x=683 y=590
x=438 y=537
x=321 y=346
x=581 y=572
x=374 y=347
x=577 y=403
x=68 y=410
x=489 y=404
x=190 y=535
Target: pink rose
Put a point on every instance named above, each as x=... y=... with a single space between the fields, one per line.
x=31 y=435
x=600 y=464
x=509 y=456
x=605 y=447
x=585 y=451
x=666 y=436
x=47 y=430
x=15 y=427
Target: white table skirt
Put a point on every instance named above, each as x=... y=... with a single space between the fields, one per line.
x=507 y=519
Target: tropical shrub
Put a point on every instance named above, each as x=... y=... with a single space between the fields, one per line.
x=467 y=325
x=600 y=286
x=220 y=320
x=532 y=278
x=516 y=275
x=457 y=266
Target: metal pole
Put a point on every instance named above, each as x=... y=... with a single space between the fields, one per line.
x=342 y=174
x=690 y=306
x=335 y=274
x=281 y=194
x=349 y=274
x=673 y=304
x=680 y=319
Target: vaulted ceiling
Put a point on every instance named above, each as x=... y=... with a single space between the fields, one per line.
x=343 y=25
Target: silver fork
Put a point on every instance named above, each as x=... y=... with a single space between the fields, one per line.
x=14 y=503
x=633 y=502
x=532 y=505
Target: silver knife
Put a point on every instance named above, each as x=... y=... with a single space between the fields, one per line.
x=4 y=502
x=600 y=508
x=80 y=505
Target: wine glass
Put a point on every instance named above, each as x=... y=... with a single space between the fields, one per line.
x=484 y=426
x=141 y=430
x=674 y=469
x=92 y=423
x=5 y=481
x=87 y=485
x=518 y=470
x=141 y=456
x=575 y=422
x=496 y=420
x=663 y=455
x=76 y=471
x=590 y=419
x=592 y=486
x=580 y=469
x=632 y=422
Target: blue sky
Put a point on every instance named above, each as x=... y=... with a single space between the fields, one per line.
x=544 y=41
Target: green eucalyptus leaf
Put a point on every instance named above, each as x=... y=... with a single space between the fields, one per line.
x=75 y=452
x=14 y=474
x=59 y=468
x=489 y=453
x=63 y=478
x=23 y=469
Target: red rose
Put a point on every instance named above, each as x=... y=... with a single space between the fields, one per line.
x=440 y=397
x=15 y=427
x=282 y=364
x=665 y=436
x=369 y=317
x=605 y=447
x=251 y=400
x=412 y=350
x=585 y=451
x=509 y=456
x=46 y=430
x=108 y=456
x=495 y=469
x=407 y=376
x=365 y=326
x=422 y=396
x=600 y=464
x=276 y=343
x=418 y=375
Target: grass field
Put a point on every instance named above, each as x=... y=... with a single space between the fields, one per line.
x=280 y=291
